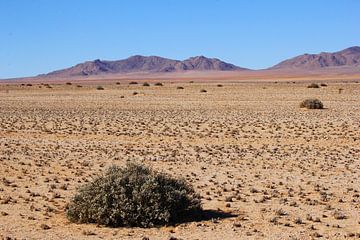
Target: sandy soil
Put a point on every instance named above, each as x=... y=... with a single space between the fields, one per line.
x=249 y=150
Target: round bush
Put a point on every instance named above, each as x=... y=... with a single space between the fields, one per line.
x=312 y=104
x=133 y=196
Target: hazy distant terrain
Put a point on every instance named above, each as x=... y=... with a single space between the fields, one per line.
x=344 y=63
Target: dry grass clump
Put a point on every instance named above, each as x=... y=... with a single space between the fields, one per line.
x=133 y=196
x=312 y=104
x=313 y=85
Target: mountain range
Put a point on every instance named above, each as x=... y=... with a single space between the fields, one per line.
x=349 y=57
x=146 y=64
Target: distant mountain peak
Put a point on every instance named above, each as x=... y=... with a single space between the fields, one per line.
x=347 y=57
x=354 y=49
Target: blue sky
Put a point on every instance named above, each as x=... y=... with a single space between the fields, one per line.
x=38 y=36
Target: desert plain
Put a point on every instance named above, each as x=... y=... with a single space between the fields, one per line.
x=273 y=170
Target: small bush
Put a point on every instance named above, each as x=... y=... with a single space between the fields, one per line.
x=203 y=91
x=219 y=85
x=158 y=84
x=180 y=87
x=133 y=83
x=133 y=196
x=99 y=88
x=145 y=84
x=312 y=104
x=313 y=85
x=68 y=83
x=135 y=93
x=117 y=83
x=323 y=85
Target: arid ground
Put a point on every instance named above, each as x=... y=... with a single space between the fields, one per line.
x=281 y=172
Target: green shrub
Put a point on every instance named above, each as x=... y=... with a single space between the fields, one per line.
x=133 y=196
x=312 y=104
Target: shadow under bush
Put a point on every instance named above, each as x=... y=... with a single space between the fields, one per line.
x=134 y=196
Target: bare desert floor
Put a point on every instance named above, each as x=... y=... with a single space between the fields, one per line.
x=280 y=172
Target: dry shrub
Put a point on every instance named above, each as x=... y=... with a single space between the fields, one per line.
x=312 y=104
x=133 y=196
x=313 y=85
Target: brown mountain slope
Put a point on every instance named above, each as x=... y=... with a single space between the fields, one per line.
x=346 y=57
x=144 y=64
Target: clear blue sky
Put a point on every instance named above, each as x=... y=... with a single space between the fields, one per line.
x=38 y=36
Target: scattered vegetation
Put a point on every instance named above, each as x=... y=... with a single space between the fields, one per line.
x=133 y=83
x=145 y=84
x=180 y=87
x=99 y=88
x=133 y=196
x=312 y=104
x=203 y=91
x=323 y=85
x=158 y=84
